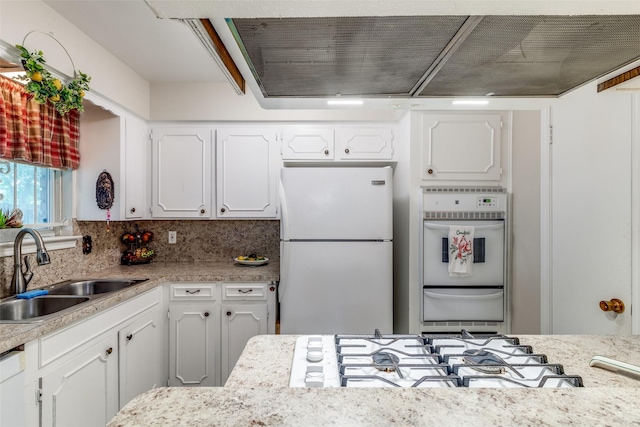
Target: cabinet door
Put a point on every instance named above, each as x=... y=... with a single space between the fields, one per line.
x=246 y=173
x=193 y=337
x=83 y=391
x=461 y=147
x=135 y=170
x=365 y=144
x=240 y=322
x=139 y=346
x=305 y=143
x=181 y=172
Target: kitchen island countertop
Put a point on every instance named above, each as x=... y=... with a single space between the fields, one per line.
x=15 y=334
x=257 y=393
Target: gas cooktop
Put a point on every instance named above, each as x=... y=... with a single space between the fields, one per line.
x=438 y=360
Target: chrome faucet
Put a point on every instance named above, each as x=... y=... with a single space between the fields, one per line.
x=21 y=279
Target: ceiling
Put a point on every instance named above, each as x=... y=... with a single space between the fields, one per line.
x=301 y=49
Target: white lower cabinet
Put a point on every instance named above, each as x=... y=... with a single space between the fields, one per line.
x=194 y=334
x=83 y=391
x=240 y=322
x=193 y=340
x=208 y=331
x=78 y=375
x=140 y=355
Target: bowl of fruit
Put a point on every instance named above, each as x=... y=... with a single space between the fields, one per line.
x=251 y=259
x=138 y=250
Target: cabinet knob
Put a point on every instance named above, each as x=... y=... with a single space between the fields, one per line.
x=129 y=337
x=109 y=350
x=346 y=150
x=133 y=210
x=430 y=171
x=326 y=152
x=223 y=210
x=206 y=314
x=228 y=313
x=202 y=211
x=272 y=288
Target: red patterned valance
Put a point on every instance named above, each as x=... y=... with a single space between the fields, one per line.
x=36 y=133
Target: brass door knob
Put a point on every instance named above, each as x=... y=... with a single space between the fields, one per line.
x=615 y=305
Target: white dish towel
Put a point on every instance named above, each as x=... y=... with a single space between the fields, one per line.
x=460 y=250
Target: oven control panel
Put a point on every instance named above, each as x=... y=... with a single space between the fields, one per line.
x=487 y=202
x=464 y=202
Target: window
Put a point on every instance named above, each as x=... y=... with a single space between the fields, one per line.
x=31 y=189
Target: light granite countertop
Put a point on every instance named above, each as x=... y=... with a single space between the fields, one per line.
x=257 y=393
x=15 y=334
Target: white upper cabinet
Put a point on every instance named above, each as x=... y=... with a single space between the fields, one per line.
x=461 y=147
x=365 y=144
x=362 y=143
x=136 y=171
x=307 y=143
x=246 y=173
x=182 y=164
x=116 y=144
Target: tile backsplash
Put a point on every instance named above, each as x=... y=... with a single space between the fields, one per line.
x=196 y=241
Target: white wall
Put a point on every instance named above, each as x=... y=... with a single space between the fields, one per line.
x=219 y=102
x=525 y=223
x=109 y=76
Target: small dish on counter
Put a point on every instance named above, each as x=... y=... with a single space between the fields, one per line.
x=255 y=262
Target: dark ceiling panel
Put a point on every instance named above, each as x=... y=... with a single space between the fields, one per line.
x=391 y=56
x=537 y=55
x=351 y=56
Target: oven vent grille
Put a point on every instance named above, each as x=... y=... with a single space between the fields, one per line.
x=464 y=190
x=460 y=324
x=464 y=215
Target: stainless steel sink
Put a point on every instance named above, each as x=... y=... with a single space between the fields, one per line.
x=35 y=309
x=91 y=287
x=61 y=296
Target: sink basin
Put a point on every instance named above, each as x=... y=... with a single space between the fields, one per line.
x=35 y=309
x=91 y=287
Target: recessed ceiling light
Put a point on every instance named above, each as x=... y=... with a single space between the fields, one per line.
x=345 y=102
x=470 y=102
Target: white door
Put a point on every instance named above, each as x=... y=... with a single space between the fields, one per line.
x=84 y=391
x=246 y=174
x=140 y=347
x=240 y=322
x=591 y=197
x=193 y=338
x=182 y=162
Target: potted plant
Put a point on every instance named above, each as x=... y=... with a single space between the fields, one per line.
x=10 y=224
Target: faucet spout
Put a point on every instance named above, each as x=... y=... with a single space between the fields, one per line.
x=22 y=278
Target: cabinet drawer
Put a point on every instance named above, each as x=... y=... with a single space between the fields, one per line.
x=193 y=292
x=244 y=291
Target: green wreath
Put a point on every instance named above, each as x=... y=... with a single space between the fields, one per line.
x=45 y=87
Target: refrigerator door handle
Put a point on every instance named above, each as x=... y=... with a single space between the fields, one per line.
x=284 y=269
x=284 y=212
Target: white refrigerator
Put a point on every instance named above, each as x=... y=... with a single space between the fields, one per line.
x=336 y=254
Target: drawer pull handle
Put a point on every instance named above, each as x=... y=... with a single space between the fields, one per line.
x=206 y=314
x=192 y=292
x=129 y=337
x=242 y=291
x=109 y=350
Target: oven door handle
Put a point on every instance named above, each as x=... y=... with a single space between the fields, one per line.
x=479 y=227
x=475 y=297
